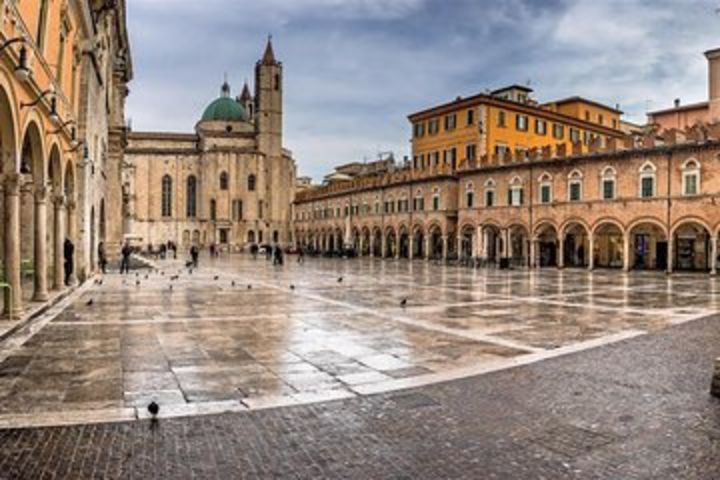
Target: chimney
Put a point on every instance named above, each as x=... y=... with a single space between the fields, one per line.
x=677 y=103
x=713 y=57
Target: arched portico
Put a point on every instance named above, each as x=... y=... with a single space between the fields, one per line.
x=607 y=245
x=575 y=244
x=519 y=246
x=466 y=243
x=390 y=243
x=418 y=242
x=648 y=246
x=546 y=245
x=692 y=246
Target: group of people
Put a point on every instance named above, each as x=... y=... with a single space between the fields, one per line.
x=274 y=253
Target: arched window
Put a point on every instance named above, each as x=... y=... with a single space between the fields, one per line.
x=516 y=193
x=691 y=177
x=436 y=199
x=166 y=196
x=469 y=195
x=647 y=180
x=545 y=190
x=575 y=186
x=490 y=193
x=191 y=200
x=608 y=182
x=224 y=181
x=251 y=237
x=251 y=183
x=213 y=210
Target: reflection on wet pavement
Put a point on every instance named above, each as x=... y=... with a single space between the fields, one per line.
x=300 y=335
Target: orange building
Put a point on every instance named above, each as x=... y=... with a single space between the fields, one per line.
x=506 y=125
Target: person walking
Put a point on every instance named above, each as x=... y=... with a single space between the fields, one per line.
x=125 y=262
x=301 y=254
x=102 y=258
x=68 y=253
x=194 y=255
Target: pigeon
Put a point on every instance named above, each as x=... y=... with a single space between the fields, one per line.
x=137 y=275
x=146 y=277
x=100 y=282
x=249 y=287
x=89 y=303
x=153 y=408
x=188 y=264
x=340 y=280
x=137 y=283
x=190 y=271
x=216 y=277
x=232 y=283
x=171 y=286
x=292 y=287
x=162 y=273
x=403 y=302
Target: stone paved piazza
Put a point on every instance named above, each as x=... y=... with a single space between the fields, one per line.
x=299 y=335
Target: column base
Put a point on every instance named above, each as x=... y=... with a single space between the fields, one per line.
x=40 y=297
x=715 y=385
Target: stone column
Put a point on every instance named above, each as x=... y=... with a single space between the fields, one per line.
x=626 y=252
x=444 y=247
x=561 y=251
x=713 y=255
x=428 y=244
x=533 y=253
x=59 y=234
x=411 y=246
x=40 y=293
x=12 y=245
x=591 y=258
x=671 y=254
x=71 y=234
x=479 y=243
x=383 y=246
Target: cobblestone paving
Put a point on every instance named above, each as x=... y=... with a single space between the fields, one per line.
x=637 y=409
x=239 y=333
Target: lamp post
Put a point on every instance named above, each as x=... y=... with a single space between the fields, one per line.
x=22 y=71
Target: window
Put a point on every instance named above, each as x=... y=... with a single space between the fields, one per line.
x=213 y=209
x=501 y=118
x=419 y=130
x=471 y=117
x=515 y=194
x=261 y=206
x=433 y=126
x=450 y=122
x=587 y=115
x=521 y=122
x=691 y=177
x=167 y=196
x=545 y=188
x=501 y=149
x=251 y=183
x=191 y=197
x=42 y=24
x=574 y=135
x=540 y=127
x=558 y=131
x=608 y=183
x=469 y=196
x=453 y=157
x=647 y=180
x=575 y=186
x=489 y=198
x=224 y=181
x=601 y=119
x=237 y=210
x=470 y=151
x=436 y=200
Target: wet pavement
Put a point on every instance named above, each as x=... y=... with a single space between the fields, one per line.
x=635 y=409
x=239 y=333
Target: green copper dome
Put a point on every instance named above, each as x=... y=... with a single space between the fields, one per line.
x=225 y=109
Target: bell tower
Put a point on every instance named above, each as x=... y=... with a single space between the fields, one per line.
x=269 y=129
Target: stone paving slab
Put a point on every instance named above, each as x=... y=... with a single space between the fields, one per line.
x=326 y=329
x=636 y=410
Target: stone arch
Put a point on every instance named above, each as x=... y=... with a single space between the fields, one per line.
x=608 y=243
x=9 y=137
x=575 y=239
x=692 y=250
x=546 y=236
x=648 y=241
x=519 y=243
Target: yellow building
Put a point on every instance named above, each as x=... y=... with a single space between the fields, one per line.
x=507 y=125
x=64 y=66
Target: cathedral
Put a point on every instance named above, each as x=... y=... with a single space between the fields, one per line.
x=230 y=183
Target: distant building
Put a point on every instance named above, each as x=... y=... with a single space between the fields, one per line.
x=684 y=116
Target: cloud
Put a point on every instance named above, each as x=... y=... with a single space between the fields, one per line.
x=354 y=69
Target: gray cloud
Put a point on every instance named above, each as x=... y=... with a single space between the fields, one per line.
x=354 y=69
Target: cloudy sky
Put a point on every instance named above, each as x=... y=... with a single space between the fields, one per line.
x=354 y=69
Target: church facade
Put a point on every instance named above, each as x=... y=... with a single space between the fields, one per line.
x=230 y=182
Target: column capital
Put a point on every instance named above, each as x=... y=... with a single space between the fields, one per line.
x=59 y=200
x=11 y=182
x=41 y=194
x=71 y=204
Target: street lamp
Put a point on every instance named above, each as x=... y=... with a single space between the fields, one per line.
x=22 y=71
x=54 y=117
